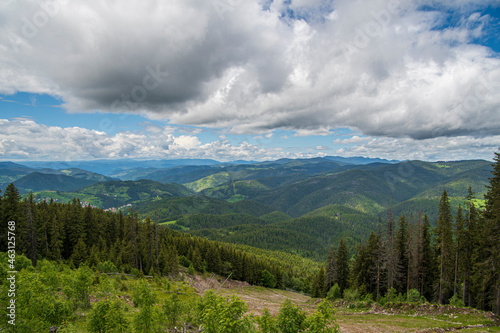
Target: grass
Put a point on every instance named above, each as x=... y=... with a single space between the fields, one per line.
x=351 y=320
x=408 y=323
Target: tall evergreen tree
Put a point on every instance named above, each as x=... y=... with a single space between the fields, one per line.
x=469 y=247
x=331 y=268
x=427 y=262
x=444 y=245
x=11 y=211
x=492 y=221
x=402 y=241
x=390 y=262
x=459 y=246
x=318 y=284
x=342 y=264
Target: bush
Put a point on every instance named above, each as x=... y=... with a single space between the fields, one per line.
x=413 y=296
x=351 y=295
x=107 y=267
x=268 y=279
x=145 y=298
x=107 y=316
x=291 y=319
x=173 y=309
x=393 y=297
x=219 y=314
x=321 y=321
x=455 y=301
x=267 y=324
x=333 y=293
x=37 y=306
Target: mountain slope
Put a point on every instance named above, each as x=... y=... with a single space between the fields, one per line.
x=37 y=181
x=169 y=209
x=136 y=191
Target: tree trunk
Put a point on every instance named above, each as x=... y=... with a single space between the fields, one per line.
x=497 y=310
x=464 y=292
x=441 y=275
x=456 y=270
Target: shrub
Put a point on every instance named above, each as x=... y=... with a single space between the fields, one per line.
x=107 y=267
x=392 y=296
x=219 y=314
x=147 y=319
x=321 y=321
x=351 y=295
x=268 y=279
x=413 y=296
x=455 y=301
x=291 y=319
x=267 y=324
x=333 y=293
x=107 y=316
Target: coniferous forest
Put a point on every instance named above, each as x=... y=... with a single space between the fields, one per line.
x=70 y=256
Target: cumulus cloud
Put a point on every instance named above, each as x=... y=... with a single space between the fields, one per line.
x=25 y=139
x=385 y=67
x=433 y=149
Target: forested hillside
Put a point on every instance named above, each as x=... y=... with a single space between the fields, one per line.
x=377 y=232
x=455 y=262
x=79 y=234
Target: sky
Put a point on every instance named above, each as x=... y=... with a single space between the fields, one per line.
x=249 y=79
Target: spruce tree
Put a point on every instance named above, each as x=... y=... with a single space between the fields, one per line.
x=80 y=253
x=331 y=268
x=469 y=246
x=459 y=246
x=318 y=284
x=492 y=221
x=342 y=264
x=11 y=211
x=402 y=241
x=427 y=261
x=390 y=260
x=31 y=237
x=444 y=245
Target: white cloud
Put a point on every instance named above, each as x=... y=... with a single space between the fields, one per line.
x=379 y=66
x=442 y=148
x=27 y=140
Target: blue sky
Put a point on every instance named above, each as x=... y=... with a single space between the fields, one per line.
x=238 y=80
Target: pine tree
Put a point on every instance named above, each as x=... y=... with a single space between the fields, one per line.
x=342 y=264
x=331 y=268
x=444 y=244
x=459 y=246
x=360 y=275
x=56 y=235
x=427 y=261
x=390 y=261
x=80 y=253
x=469 y=246
x=374 y=256
x=197 y=261
x=492 y=221
x=11 y=211
x=318 y=284
x=31 y=239
x=402 y=241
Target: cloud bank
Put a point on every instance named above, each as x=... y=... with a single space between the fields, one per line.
x=25 y=139
x=396 y=69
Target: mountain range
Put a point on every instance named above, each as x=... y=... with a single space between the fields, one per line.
x=297 y=205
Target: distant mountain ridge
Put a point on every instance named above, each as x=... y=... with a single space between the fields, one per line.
x=296 y=205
